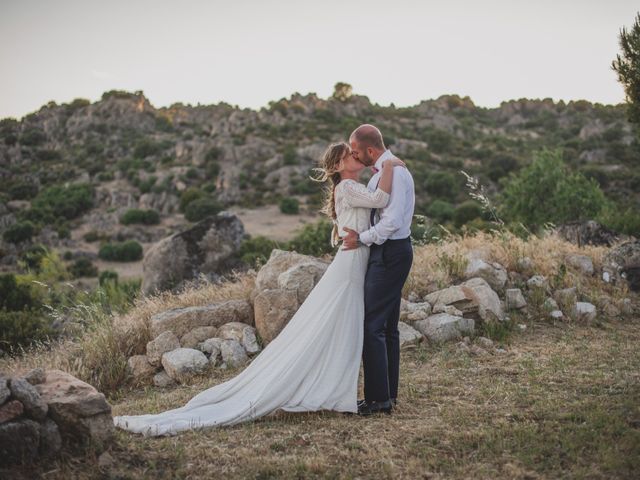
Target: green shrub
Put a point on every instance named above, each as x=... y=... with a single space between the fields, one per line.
x=144 y=217
x=202 y=208
x=440 y=211
x=289 y=205
x=19 y=232
x=32 y=257
x=108 y=276
x=443 y=185
x=290 y=157
x=22 y=328
x=33 y=137
x=188 y=196
x=14 y=296
x=547 y=191
x=256 y=250
x=23 y=191
x=466 y=212
x=146 y=147
x=313 y=239
x=128 y=251
x=83 y=267
x=65 y=201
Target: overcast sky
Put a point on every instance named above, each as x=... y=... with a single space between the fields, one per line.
x=248 y=52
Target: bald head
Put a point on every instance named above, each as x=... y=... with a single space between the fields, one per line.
x=366 y=144
x=368 y=136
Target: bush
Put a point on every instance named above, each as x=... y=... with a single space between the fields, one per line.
x=22 y=328
x=23 y=191
x=188 y=196
x=146 y=147
x=289 y=205
x=440 y=211
x=546 y=191
x=14 y=296
x=202 y=208
x=32 y=257
x=443 y=185
x=144 y=217
x=19 y=232
x=108 y=276
x=256 y=250
x=466 y=212
x=313 y=239
x=83 y=267
x=33 y=137
x=65 y=201
x=129 y=251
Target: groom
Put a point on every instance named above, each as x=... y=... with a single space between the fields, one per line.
x=390 y=260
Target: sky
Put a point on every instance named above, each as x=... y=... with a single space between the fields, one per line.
x=249 y=52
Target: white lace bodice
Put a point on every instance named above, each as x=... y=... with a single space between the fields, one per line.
x=354 y=202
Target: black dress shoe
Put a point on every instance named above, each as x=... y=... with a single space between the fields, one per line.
x=362 y=401
x=370 y=408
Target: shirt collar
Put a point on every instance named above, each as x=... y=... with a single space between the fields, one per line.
x=386 y=155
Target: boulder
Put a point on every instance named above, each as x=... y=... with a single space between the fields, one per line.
x=538 y=281
x=474 y=298
x=163 y=380
x=182 y=320
x=584 y=312
x=302 y=278
x=242 y=333
x=197 y=335
x=163 y=343
x=450 y=309
x=10 y=410
x=566 y=297
x=273 y=310
x=443 y=327
x=140 y=368
x=587 y=233
x=210 y=346
x=622 y=263
x=514 y=299
x=5 y=393
x=208 y=248
x=233 y=355
x=556 y=315
x=81 y=412
x=34 y=405
x=280 y=261
x=35 y=376
x=182 y=363
x=494 y=273
x=582 y=263
x=460 y=296
x=19 y=441
x=408 y=335
x=414 y=311
x=50 y=438
x=489 y=305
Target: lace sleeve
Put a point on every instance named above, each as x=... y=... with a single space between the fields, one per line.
x=357 y=195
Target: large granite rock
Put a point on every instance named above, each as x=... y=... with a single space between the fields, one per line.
x=443 y=327
x=494 y=273
x=182 y=320
x=208 y=248
x=582 y=263
x=474 y=298
x=622 y=263
x=408 y=335
x=19 y=441
x=163 y=343
x=81 y=412
x=34 y=405
x=197 y=335
x=139 y=367
x=280 y=261
x=233 y=355
x=587 y=233
x=242 y=333
x=273 y=310
x=183 y=363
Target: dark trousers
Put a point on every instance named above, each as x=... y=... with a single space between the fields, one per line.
x=388 y=269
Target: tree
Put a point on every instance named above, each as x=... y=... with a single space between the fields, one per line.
x=627 y=66
x=546 y=191
x=342 y=91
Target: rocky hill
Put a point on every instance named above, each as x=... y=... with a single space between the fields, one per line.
x=130 y=154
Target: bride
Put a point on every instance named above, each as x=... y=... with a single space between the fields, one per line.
x=313 y=364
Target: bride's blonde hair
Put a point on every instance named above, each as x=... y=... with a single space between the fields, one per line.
x=328 y=173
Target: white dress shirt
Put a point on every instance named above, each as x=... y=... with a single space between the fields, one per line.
x=395 y=218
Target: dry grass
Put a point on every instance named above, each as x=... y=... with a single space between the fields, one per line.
x=562 y=402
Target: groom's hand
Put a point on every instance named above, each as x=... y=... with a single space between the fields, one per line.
x=350 y=242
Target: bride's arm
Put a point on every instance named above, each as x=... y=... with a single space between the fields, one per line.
x=358 y=195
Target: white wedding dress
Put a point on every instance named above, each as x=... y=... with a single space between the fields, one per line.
x=313 y=364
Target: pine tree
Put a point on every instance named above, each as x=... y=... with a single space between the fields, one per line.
x=627 y=66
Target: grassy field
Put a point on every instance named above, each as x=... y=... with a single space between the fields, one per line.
x=562 y=401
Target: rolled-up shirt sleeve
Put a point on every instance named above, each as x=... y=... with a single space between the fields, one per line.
x=390 y=216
